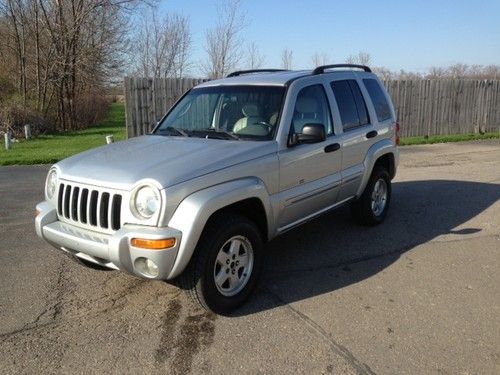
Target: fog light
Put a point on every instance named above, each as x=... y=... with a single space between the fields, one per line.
x=147 y=267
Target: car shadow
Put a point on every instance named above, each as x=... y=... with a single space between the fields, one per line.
x=328 y=253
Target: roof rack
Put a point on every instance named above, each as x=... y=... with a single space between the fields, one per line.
x=321 y=69
x=240 y=72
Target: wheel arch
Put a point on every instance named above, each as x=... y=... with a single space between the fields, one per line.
x=383 y=153
x=247 y=197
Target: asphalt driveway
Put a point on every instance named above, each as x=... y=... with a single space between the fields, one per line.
x=418 y=294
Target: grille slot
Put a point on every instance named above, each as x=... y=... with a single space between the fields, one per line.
x=74 y=203
x=93 y=208
x=83 y=205
x=67 y=194
x=89 y=207
x=103 y=210
x=115 y=212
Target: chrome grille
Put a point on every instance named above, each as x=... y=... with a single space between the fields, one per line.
x=89 y=207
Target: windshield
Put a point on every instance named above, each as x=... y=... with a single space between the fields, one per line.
x=226 y=112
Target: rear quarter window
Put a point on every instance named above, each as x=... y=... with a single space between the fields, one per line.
x=382 y=108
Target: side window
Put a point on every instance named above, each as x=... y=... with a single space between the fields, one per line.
x=351 y=104
x=312 y=107
x=378 y=98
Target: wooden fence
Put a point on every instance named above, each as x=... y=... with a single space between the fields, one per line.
x=147 y=100
x=440 y=107
x=423 y=107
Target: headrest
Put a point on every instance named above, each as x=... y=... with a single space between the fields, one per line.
x=250 y=110
x=306 y=105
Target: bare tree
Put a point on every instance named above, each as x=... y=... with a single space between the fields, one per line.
x=183 y=63
x=63 y=49
x=319 y=59
x=383 y=73
x=491 y=72
x=255 y=58
x=436 y=72
x=458 y=70
x=362 y=58
x=223 y=41
x=409 y=76
x=162 y=46
x=286 y=59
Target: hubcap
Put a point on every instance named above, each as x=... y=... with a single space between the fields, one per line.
x=379 y=197
x=233 y=266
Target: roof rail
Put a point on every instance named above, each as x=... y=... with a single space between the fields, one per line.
x=240 y=72
x=321 y=69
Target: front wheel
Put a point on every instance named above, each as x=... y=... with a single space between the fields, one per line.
x=226 y=263
x=371 y=208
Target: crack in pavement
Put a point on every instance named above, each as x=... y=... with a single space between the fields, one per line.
x=116 y=300
x=360 y=367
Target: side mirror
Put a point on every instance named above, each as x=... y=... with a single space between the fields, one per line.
x=311 y=133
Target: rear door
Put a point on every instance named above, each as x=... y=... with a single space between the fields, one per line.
x=358 y=128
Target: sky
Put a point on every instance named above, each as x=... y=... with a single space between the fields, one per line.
x=409 y=35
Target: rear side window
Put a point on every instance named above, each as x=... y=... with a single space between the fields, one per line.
x=351 y=104
x=378 y=98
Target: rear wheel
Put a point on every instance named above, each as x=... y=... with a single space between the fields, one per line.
x=371 y=208
x=226 y=263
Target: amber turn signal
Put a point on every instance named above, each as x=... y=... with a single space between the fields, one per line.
x=37 y=213
x=164 y=243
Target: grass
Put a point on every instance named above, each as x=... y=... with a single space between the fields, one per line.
x=48 y=149
x=407 y=141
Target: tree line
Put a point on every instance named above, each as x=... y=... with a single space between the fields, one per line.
x=58 y=58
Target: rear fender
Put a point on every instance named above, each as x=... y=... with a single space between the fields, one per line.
x=385 y=146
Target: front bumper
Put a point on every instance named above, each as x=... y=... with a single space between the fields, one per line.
x=113 y=251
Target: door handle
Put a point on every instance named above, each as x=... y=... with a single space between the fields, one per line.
x=332 y=147
x=371 y=134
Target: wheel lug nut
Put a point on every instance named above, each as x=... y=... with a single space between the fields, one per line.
x=227 y=261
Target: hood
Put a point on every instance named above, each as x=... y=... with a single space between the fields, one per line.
x=168 y=160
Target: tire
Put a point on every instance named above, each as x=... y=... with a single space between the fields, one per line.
x=215 y=277
x=371 y=207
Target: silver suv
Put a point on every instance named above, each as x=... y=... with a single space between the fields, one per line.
x=234 y=163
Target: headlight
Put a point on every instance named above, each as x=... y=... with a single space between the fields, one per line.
x=51 y=184
x=146 y=201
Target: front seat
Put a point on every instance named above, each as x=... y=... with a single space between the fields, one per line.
x=250 y=123
x=306 y=112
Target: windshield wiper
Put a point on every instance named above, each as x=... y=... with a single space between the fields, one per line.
x=177 y=131
x=230 y=135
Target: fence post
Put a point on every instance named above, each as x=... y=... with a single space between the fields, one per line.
x=27 y=131
x=7 y=140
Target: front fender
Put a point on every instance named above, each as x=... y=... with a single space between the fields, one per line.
x=385 y=146
x=194 y=211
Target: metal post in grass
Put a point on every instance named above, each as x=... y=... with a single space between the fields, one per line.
x=27 y=131
x=7 y=140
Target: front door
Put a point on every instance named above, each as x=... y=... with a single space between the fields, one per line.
x=309 y=173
